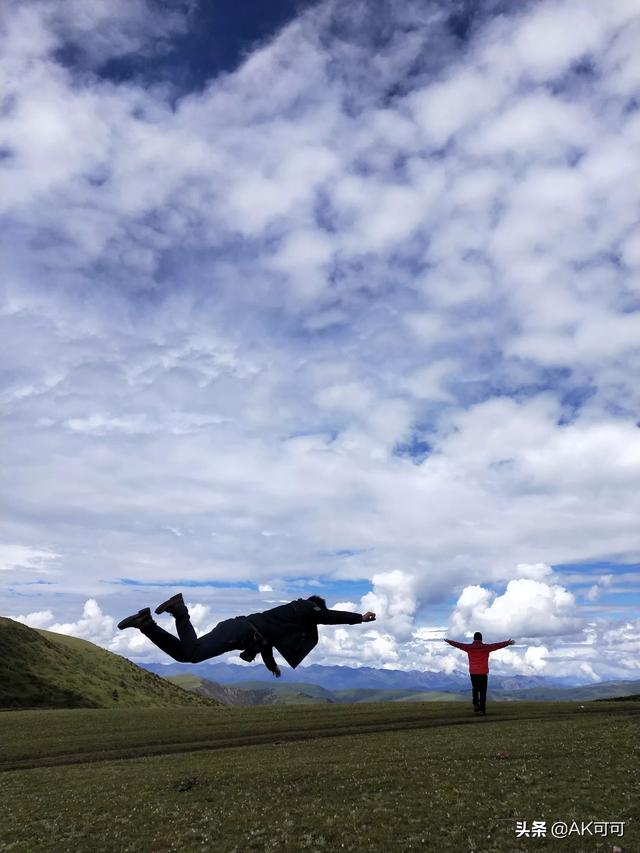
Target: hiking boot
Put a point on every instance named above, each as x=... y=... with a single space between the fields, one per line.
x=136 y=620
x=476 y=709
x=168 y=605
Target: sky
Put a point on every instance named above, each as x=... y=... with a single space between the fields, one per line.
x=315 y=297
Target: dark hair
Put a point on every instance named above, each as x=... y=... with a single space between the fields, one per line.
x=319 y=601
x=477 y=636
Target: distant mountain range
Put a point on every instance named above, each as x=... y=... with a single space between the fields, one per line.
x=345 y=678
x=40 y=669
x=301 y=693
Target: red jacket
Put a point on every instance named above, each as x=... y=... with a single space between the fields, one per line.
x=478 y=654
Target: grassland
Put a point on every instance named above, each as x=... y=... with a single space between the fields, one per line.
x=256 y=692
x=372 y=777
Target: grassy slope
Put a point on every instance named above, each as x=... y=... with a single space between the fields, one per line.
x=442 y=785
x=290 y=693
x=363 y=695
x=40 y=669
x=227 y=694
x=251 y=693
x=588 y=692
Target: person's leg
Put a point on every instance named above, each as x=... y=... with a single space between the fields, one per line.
x=474 y=688
x=143 y=621
x=227 y=635
x=185 y=629
x=164 y=640
x=483 y=692
x=207 y=646
x=230 y=634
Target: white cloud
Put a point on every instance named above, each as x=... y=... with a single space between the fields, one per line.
x=241 y=300
x=394 y=601
x=536 y=125
x=541 y=43
x=534 y=660
x=37 y=619
x=93 y=625
x=26 y=557
x=527 y=608
x=533 y=571
x=445 y=108
x=427 y=382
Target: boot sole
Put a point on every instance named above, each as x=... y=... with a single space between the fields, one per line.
x=166 y=606
x=135 y=618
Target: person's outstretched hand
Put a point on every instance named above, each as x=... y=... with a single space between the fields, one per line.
x=369 y=617
x=512 y=642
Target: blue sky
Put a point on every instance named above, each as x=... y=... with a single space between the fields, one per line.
x=322 y=297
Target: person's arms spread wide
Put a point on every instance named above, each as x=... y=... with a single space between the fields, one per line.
x=456 y=644
x=493 y=647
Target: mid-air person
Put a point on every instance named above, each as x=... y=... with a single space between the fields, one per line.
x=478 y=653
x=291 y=628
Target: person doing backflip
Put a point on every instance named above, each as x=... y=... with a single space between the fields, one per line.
x=478 y=653
x=291 y=628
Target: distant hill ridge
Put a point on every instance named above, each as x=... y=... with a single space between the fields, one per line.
x=300 y=693
x=346 y=678
x=41 y=669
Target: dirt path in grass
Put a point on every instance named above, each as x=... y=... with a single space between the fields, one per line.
x=280 y=737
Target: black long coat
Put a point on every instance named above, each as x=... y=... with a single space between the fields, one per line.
x=293 y=628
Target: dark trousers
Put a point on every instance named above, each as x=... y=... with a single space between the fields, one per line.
x=479 y=687
x=230 y=634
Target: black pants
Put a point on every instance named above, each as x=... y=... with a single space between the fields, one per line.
x=479 y=687
x=231 y=634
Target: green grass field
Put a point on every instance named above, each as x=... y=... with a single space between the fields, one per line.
x=367 y=777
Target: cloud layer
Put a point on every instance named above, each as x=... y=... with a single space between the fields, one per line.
x=364 y=309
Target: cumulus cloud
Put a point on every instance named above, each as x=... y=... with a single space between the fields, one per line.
x=527 y=608
x=394 y=601
x=37 y=619
x=93 y=625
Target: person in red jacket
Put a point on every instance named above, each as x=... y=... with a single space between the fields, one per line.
x=479 y=666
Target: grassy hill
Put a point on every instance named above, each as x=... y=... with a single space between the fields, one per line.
x=254 y=692
x=226 y=694
x=40 y=669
